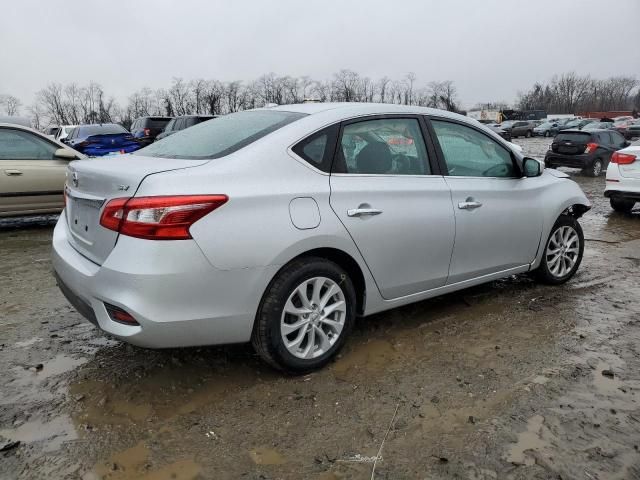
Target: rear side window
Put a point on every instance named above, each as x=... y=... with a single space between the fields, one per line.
x=617 y=139
x=318 y=149
x=226 y=135
x=604 y=138
x=386 y=146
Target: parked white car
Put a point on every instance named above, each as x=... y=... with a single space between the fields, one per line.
x=279 y=226
x=623 y=178
x=64 y=131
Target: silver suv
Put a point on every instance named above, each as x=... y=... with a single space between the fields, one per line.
x=280 y=226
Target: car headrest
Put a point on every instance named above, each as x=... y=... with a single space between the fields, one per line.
x=374 y=158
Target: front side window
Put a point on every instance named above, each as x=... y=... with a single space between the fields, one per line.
x=226 y=135
x=388 y=146
x=19 y=145
x=617 y=139
x=469 y=153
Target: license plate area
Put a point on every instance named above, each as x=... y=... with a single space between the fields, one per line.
x=83 y=216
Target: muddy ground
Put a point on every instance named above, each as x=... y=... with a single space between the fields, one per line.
x=509 y=380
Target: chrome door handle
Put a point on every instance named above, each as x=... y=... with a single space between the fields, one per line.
x=13 y=172
x=469 y=205
x=359 y=212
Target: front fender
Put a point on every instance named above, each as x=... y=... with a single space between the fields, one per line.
x=564 y=197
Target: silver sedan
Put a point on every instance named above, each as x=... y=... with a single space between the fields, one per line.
x=280 y=226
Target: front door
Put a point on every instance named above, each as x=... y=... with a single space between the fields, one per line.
x=398 y=213
x=31 y=178
x=498 y=218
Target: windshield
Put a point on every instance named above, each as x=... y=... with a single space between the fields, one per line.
x=107 y=129
x=222 y=137
x=545 y=125
x=572 y=137
x=508 y=123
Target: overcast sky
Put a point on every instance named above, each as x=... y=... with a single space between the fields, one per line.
x=491 y=49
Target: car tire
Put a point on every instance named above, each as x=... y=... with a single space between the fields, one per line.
x=283 y=307
x=621 y=205
x=561 y=257
x=528 y=134
x=595 y=169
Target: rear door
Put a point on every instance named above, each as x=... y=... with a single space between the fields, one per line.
x=31 y=178
x=497 y=213
x=386 y=190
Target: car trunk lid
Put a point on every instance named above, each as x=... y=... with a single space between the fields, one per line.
x=570 y=143
x=92 y=183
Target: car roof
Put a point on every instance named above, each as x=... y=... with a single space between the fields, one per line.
x=355 y=109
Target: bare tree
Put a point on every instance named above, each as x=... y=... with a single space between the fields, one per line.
x=10 y=104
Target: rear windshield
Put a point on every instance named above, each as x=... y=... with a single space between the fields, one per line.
x=154 y=122
x=101 y=130
x=222 y=137
x=573 y=137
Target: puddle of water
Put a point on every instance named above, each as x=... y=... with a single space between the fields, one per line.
x=530 y=439
x=133 y=464
x=372 y=355
x=52 y=433
x=266 y=456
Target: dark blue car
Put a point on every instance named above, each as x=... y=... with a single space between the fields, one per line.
x=102 y=139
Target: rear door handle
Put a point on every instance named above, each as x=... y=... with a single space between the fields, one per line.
x=359 y=212
x=13 y=173
x=469 y=205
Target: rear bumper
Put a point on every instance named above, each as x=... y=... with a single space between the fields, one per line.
x=178 y=298
x=575 y=161
x=622 y=195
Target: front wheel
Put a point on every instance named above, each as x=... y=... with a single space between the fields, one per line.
x=529 y=134
x=546 y=134
x=595 y=169
x=621 y=205
x=563 y=252
x=305 y=315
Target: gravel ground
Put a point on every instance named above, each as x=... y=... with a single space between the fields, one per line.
x=507 y=380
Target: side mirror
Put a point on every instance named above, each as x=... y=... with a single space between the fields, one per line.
x=65 y=154
x=531 y=167
x=627 y=143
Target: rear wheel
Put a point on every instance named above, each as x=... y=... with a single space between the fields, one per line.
x=529 y=134
x=546 y=133
x=305 y=315
x=595 y=169
x=621 y=205
x=563 y=252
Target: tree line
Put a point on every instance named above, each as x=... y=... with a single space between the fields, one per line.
x=573 y=93
x=72 y=104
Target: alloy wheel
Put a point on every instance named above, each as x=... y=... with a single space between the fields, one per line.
x=597 y=168
x=562 y=251
x=313 y=317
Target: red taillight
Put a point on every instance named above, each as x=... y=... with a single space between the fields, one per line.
x=147 y=132
x=622 y=158
x=591 y=147
x=158 y=218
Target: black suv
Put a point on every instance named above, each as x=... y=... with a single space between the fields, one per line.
x=180 y=123
x=146 y=129
x=590 y=151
